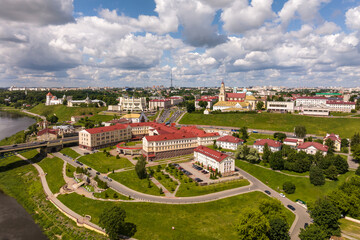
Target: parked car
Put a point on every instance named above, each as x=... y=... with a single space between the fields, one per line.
x=306 y=225
x=255 y=131
x=86 y=153
x=97 y=173
x=291 y=207
x=268 y=192
x=282 y=195
x=105 y=177
x=89 y=168
x=109 y=179
x=15 y=145
x=198 y=180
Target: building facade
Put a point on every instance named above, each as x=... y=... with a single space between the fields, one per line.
x=273 y=145
x=229 y=142
x=129 y=104
x=53 y=100
x=336 y=139
x=215 y=160
x=312 y=148
x=159 y=104
x=277 y=106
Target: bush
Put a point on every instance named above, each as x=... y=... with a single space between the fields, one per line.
x=316 y=176
x=357 y=172
x=115 y=195
x=353 y=111
x=289 y=187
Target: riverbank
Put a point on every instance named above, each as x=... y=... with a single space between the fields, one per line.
x=20 y=112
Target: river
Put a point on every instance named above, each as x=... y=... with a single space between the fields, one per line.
x=15 y=222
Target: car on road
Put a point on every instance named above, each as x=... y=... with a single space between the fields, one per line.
x=79 y=163
x=15 y=145
x=291 y=207
x=255 y=131
x=282 y=195
x=86 y=153
x=97 y=173
x=89 y=168
x=268 y=192
x=198 y=180
x=43 y=142
x=105 y=177
x=109 y=179
x=306 y=225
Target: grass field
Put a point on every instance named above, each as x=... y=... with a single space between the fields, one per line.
x=110 y=193
x=30 y=154
x=168 y=183
x=131 y=180
x=213 y=220
x=64 y=113
x=350 y=228
x=14 y=139
x=255 y=136
x=53 y=167
x=304 y=189
x=277 y=122
x=70 y=170
x=20 y=180
x=102 y=118
x=70 y=152
x=100 y=162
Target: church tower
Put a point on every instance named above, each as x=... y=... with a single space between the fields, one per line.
x=222 y=95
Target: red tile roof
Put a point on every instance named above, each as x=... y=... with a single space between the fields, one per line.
x=333 y=137
x=106 y=129
x=307 y=97
x=236 y=95
x=173 y=136
x=316 y=145
x=270 y=142
x=218 y=156
x=230 y=139
x=291 y=140
x=49 y=94
x=47 y=130
x=198 y=132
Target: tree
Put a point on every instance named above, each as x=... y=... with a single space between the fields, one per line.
x=203 y=104
x=357 y=172
x=244 y=133
x=65 y=102
x=331 y=145
x=276 y=161
x=356 y=152
x=300 y=131
x=341 y=164
x=253 y=156
x=331 y=172
x=313 y=232
x=259 y=105
x=344 y=142
x=355 y=140
x=113 y=221
x=289 y=187
x=252 y=225
x=326 y=215
x=279 y=136
x=242 y=152
x=279 y=229
x=316 y=176
x=266 y=153
x=190 y=107
x=140 y=167
x=53 y=119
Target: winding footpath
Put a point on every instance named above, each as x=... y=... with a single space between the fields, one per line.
x=301 y=215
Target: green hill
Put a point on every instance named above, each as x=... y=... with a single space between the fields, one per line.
x=64 y=113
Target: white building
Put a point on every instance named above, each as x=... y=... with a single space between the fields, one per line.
x=312 y=148
x=340 y=106
x=129 y=104
x=312 y=110
x=311 y=101
x=159 y=103
x=278 y=106
x=53 y=100
x=175 y=100
x=87 y=101
x=273 y=145
x=214 y=160
x=293 y=142
x=229 y=142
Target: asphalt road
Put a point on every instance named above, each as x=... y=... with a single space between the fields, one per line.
x=21 y=146
x=301 y=216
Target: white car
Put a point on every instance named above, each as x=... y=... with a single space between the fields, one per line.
x=282 y=195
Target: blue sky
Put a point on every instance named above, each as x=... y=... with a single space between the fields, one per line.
x=139 y=42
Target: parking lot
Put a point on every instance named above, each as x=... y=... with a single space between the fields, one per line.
x=195 y=173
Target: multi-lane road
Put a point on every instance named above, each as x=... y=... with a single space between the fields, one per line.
x=301 y=215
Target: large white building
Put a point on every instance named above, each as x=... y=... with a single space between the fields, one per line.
x=278 y=106
x=53 y=100
x=311 y=101
x=229 y=142
x=340 y=106
x=87 y=101
x=159 y=104
x=214 y=160
x=312 y=148
x=129 y=104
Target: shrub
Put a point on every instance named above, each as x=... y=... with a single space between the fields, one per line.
x=289 y=187
x=115 y=195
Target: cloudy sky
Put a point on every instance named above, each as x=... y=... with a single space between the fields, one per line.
x=139 y=42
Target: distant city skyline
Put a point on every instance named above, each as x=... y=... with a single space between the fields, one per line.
x=139 y=43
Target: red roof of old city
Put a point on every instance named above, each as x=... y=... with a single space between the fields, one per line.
x=47 y=130
x=230 y=139
x=198 y=132
x=339 y=102
x=236 y=95
x=172 y=136
x=333 y=137
x=307 y=97
x=291 y=140
x=106 y=129
x=203 y=100
x=316 y=145
x=175 y=97
x=270 y=142
x=121 y=120
x=218 y=156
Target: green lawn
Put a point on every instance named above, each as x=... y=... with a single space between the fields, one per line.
x=70 y=169
x=212 y=220
x=341 y=114
x=167 y=182
x=20 y=180
x=30 y=154
x=53 y=167
x=100 y=162
x=70 y=152
x=304 y=189
x=110 y=194
x=102 y=118
x=133 y=143
x=350 y=228
x=255 y=136
x=277 y=122
x=131 y=180
x=14 y=139
x=64 y=113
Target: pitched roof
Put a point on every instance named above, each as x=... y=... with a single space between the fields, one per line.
x=106 y=129
x=218 y=156
x=307 y=97
x=316 y=145
x=49 y=94
x=198 y=132
x=171 y=136
x=47 y=130
x=250 y=97
x=295 y=140
x=270 y=143
x=227 y=103
x=333 y=137
x=235 y=95
x=229 y=138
